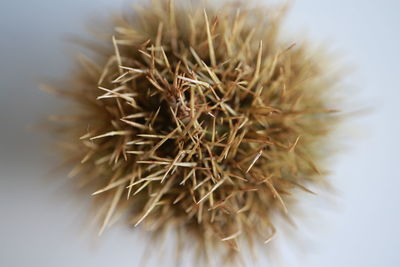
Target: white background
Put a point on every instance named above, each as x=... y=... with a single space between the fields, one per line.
x=42 y=218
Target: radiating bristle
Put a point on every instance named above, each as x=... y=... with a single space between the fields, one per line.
x=200 y=119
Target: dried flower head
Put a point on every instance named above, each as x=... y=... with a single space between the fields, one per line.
x=199 y=119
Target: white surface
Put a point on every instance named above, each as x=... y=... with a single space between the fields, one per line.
x=42 y=219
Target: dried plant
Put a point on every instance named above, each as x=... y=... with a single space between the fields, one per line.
x=199 y=119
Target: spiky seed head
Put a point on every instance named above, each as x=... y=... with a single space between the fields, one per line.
x=198 y=119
